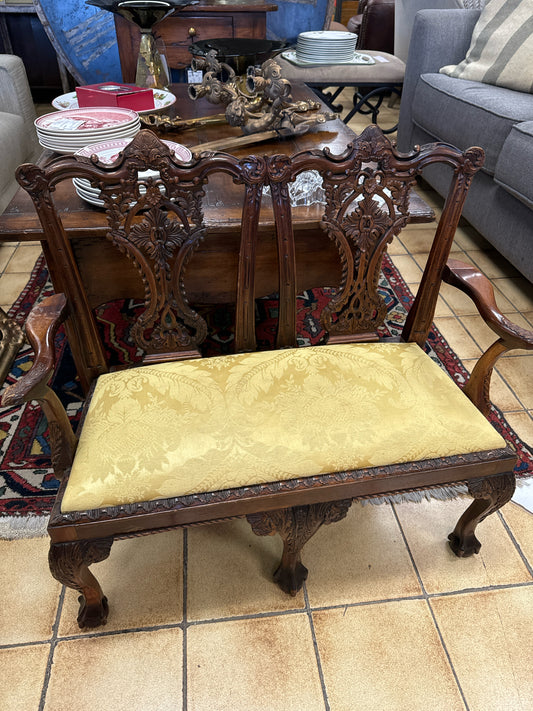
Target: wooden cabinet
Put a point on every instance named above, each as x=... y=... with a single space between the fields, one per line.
x=207 y=20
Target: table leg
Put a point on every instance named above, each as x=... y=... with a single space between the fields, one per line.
x=362 y=104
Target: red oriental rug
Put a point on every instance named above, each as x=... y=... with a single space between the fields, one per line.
x=27 y=482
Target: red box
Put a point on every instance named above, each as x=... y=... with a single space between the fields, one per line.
x=127 y=96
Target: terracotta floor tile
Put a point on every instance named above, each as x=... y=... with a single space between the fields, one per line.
x=485 y=336
x=528 y=316
x=468 y=238
x=24 y=259
x=519 y=291
x=458 y=302
x=230 y=573
x=408 y=268
x=396 y=247
x=488 y=637
x=360 y=558
x=421 y=259
x=520 y=522
x=5 y=255
x=442 y=308
x=127 y=672
x=492 y=264
x=384 y=656
x=11 y=285
x=23 y=672
x=417 y=239
x=522 y=423
x=266 y=664
x=518 y=372
x=500 y=393
x=460 y=341
x=28 y=592
x=427 y=525
x=480 y=332
x=142 y=579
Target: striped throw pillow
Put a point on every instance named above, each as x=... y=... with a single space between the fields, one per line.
x=501 y=50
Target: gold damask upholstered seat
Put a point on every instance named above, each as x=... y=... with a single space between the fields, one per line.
x=286 y=437
x=176 y=429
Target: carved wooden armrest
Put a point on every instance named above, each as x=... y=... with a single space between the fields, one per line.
x=476 y=285
x=41 y=328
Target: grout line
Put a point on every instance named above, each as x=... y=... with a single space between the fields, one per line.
x=274 y=613
x=123 y=630
x=53 y=644
x=277 y=613
x=22 y=645
x=516 y=544
x=255 y=616
x=185 y=625
x=428 y=603
x=317 y=652
x=411 y=557
x=446 y=652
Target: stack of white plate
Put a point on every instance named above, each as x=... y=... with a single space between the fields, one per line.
x=107 y=152
x=325 y=47
x=68 y=131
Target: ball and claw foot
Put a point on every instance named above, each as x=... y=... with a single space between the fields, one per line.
x=490 y=494
x=290 y=580
x=93 y=615
x=464 y=547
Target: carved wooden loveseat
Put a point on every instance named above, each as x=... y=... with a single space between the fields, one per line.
x=287 y=437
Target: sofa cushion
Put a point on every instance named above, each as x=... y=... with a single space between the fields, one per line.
x=212 y=424
x=514 y=169
x=501 y=49
x=468 y=113
x=13 y=147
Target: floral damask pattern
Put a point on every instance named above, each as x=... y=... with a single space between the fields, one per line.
x=218 y=423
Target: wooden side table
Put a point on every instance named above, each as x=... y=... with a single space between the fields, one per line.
x=207 y=20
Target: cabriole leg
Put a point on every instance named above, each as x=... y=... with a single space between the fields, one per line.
x=490 y=494
x=69 y=563
x=296 y=526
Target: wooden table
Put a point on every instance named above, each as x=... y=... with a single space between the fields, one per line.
x=108 y=275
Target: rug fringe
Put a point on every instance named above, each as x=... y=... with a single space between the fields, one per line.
x=442 y=493
x=15 y=527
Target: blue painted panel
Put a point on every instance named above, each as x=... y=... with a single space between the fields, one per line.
x=86 y=38
x=295 y=16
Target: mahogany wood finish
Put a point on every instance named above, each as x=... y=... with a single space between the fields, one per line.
x=479 y=289
x=106 y=274
x=367 y=193
x=69 y=563
x=295 y=527
x=489 y=495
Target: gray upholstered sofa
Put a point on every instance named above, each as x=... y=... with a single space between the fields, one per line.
x=466 y=113
x=18 y=140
